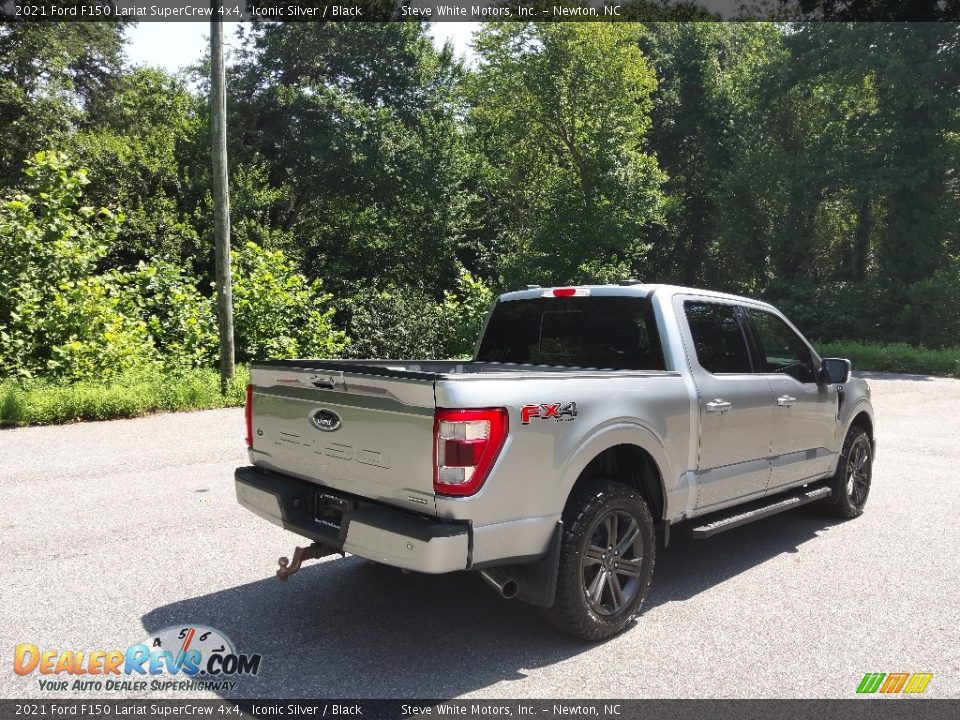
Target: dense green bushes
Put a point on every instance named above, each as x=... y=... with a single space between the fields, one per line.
x=58 y=316
x=895 y=357
x=61 y=318
x=277 y=312
x=925 y=313
x=402 y=322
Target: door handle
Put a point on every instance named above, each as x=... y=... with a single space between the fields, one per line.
x=786 y=401
x=719 y=405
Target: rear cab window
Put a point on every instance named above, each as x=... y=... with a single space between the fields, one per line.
x=602 y=332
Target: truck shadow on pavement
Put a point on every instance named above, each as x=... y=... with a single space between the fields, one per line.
x=688 y=567
x=345 y=628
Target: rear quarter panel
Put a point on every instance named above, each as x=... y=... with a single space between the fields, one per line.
x=541 y=460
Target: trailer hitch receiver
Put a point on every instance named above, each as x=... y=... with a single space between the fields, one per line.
x=300 y=554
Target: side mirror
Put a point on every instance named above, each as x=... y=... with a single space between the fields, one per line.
x=835 y=371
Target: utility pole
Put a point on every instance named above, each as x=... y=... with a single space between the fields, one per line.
x=221 y=196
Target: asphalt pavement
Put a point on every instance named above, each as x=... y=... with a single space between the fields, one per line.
x=112 y=531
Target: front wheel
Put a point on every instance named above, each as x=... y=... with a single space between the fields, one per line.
x=851 y=483
x=606 y=560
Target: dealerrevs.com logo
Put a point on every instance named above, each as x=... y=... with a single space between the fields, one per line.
x=191 y=657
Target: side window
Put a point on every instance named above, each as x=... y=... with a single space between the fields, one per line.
x=718 y=337
x=781 y=349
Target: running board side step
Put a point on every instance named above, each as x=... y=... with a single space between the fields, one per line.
x=785 y=502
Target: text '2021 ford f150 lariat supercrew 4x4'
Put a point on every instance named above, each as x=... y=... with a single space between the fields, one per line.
x=589 y=418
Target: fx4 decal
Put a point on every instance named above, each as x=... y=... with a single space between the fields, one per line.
x=559 y=412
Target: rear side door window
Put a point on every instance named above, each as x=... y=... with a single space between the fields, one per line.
x=780 y=349
x=718 y=337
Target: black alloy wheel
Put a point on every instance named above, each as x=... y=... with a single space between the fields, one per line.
x=613 y=563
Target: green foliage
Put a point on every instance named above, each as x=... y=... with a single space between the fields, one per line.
x=135 y=393
x=403 y=323
x=931 y=315
x=841 y=167
x=360 y=138
x=394 y=323
x=895 y=357
x=463 y=313
x=559 y=117
x=50 y=72
x=181 y=321
x=253 y=202
x=926 y=313
x=135 y=146
x=57 y=317
x=812 y=165
x=708 y=76
x=278 y=313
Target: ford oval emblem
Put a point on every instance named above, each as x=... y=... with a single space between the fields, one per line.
x=326 y=420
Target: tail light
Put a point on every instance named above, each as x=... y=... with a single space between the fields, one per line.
x=248 y=415
x=467 y=443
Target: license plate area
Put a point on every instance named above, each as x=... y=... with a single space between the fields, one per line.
x=332 y=512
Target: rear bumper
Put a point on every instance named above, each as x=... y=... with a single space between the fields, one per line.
x=367 y=529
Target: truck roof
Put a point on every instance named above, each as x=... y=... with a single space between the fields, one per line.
x=635 y=289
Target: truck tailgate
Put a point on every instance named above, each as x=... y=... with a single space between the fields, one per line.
x=357 y=432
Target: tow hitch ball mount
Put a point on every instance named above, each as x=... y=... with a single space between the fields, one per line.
x=313 y=552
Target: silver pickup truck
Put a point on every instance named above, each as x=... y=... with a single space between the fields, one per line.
x=589 y=419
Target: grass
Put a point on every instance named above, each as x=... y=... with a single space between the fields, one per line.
x=895 y=357
x=42 y=402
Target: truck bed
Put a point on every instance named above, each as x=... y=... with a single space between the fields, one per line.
x=433 y=369
x=366 y=427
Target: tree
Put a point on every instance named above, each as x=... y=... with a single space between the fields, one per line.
x=140 y=147
x=278 y=312
x=50 y=72
x=357 y=124
x=558 y=119
x=707 y=73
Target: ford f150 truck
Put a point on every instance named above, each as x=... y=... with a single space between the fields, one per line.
x=589 y=419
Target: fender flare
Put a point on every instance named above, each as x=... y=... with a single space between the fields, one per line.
x=617 y=432
x=861 y=406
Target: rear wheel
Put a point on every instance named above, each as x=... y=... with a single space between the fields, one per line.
x=606 y=560
x=851 y=483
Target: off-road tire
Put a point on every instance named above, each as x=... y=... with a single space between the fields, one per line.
x=587 y=526
x=850 y=492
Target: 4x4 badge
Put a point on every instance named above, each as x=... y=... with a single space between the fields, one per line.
x=559 y=412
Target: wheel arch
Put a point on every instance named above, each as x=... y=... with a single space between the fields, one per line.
x=619 y=456
x=863 y=420
x=861 y=416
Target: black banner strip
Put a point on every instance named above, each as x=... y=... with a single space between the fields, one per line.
x=479 y=10
x=865 y=708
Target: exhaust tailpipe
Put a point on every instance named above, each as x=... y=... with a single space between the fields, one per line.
x=501 y=581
